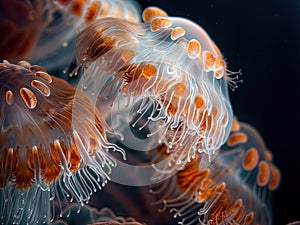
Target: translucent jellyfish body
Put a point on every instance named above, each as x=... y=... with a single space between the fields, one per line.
x=44 y=160
x=168 y=87
x=44 y=31
x=235 y=189
x=63 y=19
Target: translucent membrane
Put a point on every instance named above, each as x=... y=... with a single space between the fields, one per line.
x=44 y=161
x=157 y=86
x=43 y=32
x=235 y=189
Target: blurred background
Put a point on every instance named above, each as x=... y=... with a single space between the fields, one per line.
x=262 y=38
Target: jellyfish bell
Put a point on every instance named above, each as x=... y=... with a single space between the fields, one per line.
x=44 y=160
x=63 y=20
x=160 y=82
x=256 y=163
x=234 y=189
x=44 y=31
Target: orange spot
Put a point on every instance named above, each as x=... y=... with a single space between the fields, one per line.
x=249 y=218
x=9 y=97
x=158 y=23
x=28 y=98
x=153 y=12
x=263 y=175
x=250 y=159
x=235 y=124
x=198 y=101
x=219 y=64
x=236 y=139
x=44 y=75
x=41 y=87
x=149 y=71
x=76 y=7
x=194 y=48
x=219 y=68
x=275 y=178
x=179 y=89
x=177 y=32
x=37 y=68
x=209 y=60
x=92 y=11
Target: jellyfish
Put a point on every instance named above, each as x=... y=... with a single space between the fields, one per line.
x=63 y=19
x=235 y=189
x=164 y=78
x=45 y=162
x=43 y=32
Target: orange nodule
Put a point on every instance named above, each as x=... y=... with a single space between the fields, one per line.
x=92 y=11
x=149 y=71
x=236 y=139
x=152 y=12
x=275 y=178
x=209 y=60
x=198 y=101
x=158 y=23
x=250 y=159
x=194 y=48
x=177 y=32
x=77 y=7
x=263 y=175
